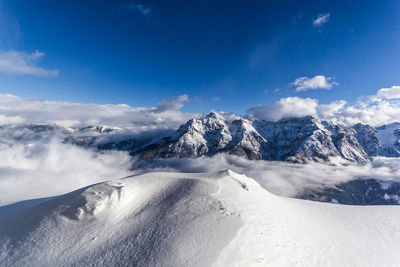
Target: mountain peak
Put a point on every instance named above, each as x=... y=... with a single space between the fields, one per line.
x=213 y=115
x=291 y=139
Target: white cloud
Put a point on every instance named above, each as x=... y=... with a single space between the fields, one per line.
x=387 y=93
x=215 y=99
x=321 y=20
x=329 y=110
x=376 y=113
x=283 y=178
x=285 y=107
x=14 y=62
x=379 y=109
x=4 y=120
x=316 y=82
x=171 y=104
x=42 y=169
x=166 y=114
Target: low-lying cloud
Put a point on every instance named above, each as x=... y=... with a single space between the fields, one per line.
x=281 y=178
x=166 y=115
x=42 y=169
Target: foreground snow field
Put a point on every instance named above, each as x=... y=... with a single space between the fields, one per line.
x=180 y=219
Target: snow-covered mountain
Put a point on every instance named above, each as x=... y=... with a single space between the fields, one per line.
x=290 y=139
x=208 y=136
x=176 y=219
x=98 y=137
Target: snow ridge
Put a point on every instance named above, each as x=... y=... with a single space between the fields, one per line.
x=181 y=219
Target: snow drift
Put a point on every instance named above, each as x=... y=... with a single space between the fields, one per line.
x=178 y=219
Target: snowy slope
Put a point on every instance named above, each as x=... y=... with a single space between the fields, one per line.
x=389 y=134
x=176 y=219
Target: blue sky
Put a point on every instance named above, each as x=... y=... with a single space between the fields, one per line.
x=226 y=55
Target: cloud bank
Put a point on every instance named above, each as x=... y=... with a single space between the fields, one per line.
x=281 y=178
x=42 y=169
x=379 y=109
x=15 y=62
x=166 y=115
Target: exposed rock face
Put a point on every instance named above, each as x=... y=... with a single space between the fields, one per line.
x=247 y=142
x=297 y=139
x=290 y=139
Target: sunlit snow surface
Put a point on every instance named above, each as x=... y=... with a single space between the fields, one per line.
x=179 y=219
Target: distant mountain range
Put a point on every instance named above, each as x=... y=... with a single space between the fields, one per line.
x=291 y=139
x=296 y=139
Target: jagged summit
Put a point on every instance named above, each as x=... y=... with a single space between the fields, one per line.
x=295 y=139
x=213 y=115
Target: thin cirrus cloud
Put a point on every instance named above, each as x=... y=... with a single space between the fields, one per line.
x=321 y=20
x=314 y=83
x=142 y=9
x=15 y=62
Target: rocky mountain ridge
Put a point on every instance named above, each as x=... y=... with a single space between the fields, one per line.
x=296 y=139
x=290 y=139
